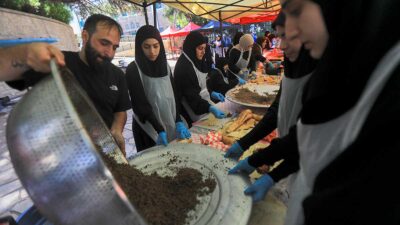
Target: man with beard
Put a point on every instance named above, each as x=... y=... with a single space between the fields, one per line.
x=103 y=82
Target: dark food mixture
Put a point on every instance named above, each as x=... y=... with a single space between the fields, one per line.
x=247 y=96
x=161 y=200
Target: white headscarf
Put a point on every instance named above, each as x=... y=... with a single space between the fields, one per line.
x=245 y=41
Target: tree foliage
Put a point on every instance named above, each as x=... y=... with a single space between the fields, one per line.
x=181 y=19
x=51 y=9
x=84 y=8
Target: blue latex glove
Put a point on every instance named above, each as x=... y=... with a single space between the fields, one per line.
x=162 y=138
x=235 y=151
x=268 y=65
x=181 y=131
x=217 y=113
x=260 y=188
x=241 y=81
x=218 y=96
x=242 y=166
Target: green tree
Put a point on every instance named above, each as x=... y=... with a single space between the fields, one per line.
x=180 y=18
x=84 y=8
x=55 y=10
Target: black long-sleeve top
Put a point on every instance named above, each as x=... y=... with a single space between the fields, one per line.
x=257 y=53
x=280 y=148
x=234 y=56
x=216 y=83
x=140 y=104
x=188 y=87
x=267 y=124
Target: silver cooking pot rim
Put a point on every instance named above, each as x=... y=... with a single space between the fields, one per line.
x=54 y=134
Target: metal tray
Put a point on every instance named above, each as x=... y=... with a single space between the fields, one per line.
x=258 y=88
x=227 y=204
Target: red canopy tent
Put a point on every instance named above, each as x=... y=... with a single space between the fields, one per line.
x=255 y=18
x=186 y=30
x=168 y=32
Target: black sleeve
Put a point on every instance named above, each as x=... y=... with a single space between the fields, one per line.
x=216 y=83
x=268 y=123
x=188 y=87
x=140 y=104
x=284 y=169
x=280 y=148
x=234 y=56
x=29 y=78
x=123 y=102
x=252 y=64
x=177 y=102
x=257 y=54
x=259 y=57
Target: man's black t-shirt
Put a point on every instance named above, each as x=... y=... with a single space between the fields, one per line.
x=108 y=90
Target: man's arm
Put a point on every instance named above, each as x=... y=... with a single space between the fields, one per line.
x=16 y=60
x=117 y=128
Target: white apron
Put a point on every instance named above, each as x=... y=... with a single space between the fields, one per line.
x=160 y=95
x=241 y=63
x=289 y=108
x=204 y=94
x=290 y=102
x=320 y=144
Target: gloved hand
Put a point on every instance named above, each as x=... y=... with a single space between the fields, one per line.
x=268 y=65
x=181 y=131
x=241 y=81
x=217 y=113
x=253 y=73
x=218 y=96
x=260 y=187
x=242 y=166
x=235 y=151
x=162 y=138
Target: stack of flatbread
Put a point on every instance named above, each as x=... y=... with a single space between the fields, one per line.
x=239 y=127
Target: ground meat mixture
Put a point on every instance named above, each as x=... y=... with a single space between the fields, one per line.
x=161 y=200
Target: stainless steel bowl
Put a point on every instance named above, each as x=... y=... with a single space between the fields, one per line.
x=54 y=134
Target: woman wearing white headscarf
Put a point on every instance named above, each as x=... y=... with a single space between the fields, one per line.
x=240 y=57
x=156 y=114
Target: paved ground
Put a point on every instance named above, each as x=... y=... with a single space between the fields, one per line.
x=13 y=198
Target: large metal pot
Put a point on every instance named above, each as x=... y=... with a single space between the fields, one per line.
x=54 y=134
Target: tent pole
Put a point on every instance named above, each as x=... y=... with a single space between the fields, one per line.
x=220 y=23
x=155 y=14
x=170 y=47
x=145 y=12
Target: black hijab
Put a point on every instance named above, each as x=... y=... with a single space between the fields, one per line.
x=237 y=37
x=158 y=68
x=360 y=33
x=303 y=65
x=190 y=44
